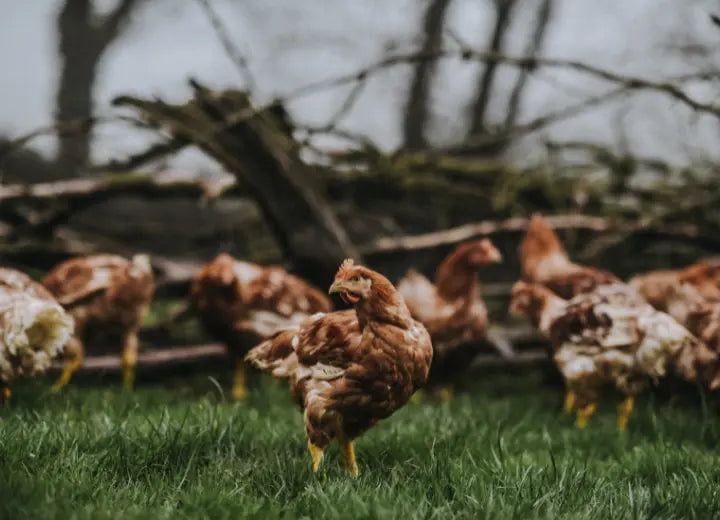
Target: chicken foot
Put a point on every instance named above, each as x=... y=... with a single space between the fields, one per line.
x=77 y=350
x=584 y=414
x=316 y=452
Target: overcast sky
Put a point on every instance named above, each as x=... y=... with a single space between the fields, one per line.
x=291 y=43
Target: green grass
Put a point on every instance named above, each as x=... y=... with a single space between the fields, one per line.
x=501 y=450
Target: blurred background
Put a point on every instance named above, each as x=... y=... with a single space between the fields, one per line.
x=302 y=133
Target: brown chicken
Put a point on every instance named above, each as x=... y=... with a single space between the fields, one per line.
x=34 y=328
x=699 y=315
x=657 y=286
x=452 y=310
x=350 y=369
x=242 y=304
x=611 y=335
x=545 y=261
x=106 y=291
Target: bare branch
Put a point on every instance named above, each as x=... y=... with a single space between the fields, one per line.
x=416 y=115
x=483 y=140
x=109 y=29
x=467 y=53
x=154 y=358
x=490 y=227
x=503 y=10
x=237 y=57
x=101 y=187
x=533 y=50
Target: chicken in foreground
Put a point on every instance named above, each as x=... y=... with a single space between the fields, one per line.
x=610 y=335
x=544 y=260
x=350 y=369
x=242 y=304
x=657 y=287
x=34 y=328
x=107 y=291
x=452 y=310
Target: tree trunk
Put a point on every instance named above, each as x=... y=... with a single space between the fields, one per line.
x=83 y=40
x=503 y=10
x=417 y=111
x=257 y=148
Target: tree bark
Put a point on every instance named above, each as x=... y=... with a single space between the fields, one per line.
x=417 y=111
x=534 y=48
x=503 y=9
x=82 y=44
x=257 y=148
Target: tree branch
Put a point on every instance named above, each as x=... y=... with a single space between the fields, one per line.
x=101 y=187
x=416 y=116
x=533 y=50
x=110 y=27
x=503 y=11
x=519 y=224
x=231 y=50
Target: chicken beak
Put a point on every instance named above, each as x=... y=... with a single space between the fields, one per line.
x=336 y=287
x=495 y=256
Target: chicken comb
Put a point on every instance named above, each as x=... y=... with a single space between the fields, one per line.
x=347 y=264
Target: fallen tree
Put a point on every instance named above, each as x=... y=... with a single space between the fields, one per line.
x=256 y=146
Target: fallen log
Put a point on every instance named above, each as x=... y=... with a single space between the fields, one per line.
x=153 y=358
x=257 y=147
x=518 y=224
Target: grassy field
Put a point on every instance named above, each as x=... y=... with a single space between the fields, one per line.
x=500 y=450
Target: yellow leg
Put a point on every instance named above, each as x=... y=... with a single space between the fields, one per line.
x=418 y=397
x=75 y=346
x=446 y=393
x=583 y=414
x=348 y=451
x=5 y=396
x=129 y=358
x=239 y=389
x=624 y=411
x=569 y=404
x=317 y=454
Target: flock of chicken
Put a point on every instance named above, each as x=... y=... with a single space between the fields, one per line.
x=348 y=369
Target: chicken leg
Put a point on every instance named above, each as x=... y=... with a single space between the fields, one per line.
x=569 y=404
x=239 y=389
x=624 y=411
x=584 y=413
x=129 y=357
x=5 y=393
x=77 y=351
x=316 y=452
x=348 y=451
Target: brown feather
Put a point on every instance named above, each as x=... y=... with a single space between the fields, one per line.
x=350 y=369
x=242 y=303
x=544 y=260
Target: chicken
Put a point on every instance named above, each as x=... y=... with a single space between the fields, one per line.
x=545 y=261
x=105 y=291
x=350 y=369
x=610 y=335
x=242 y=304
x=34 y=328
x=451 y=310
x=699 y=315
x=656 y=286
